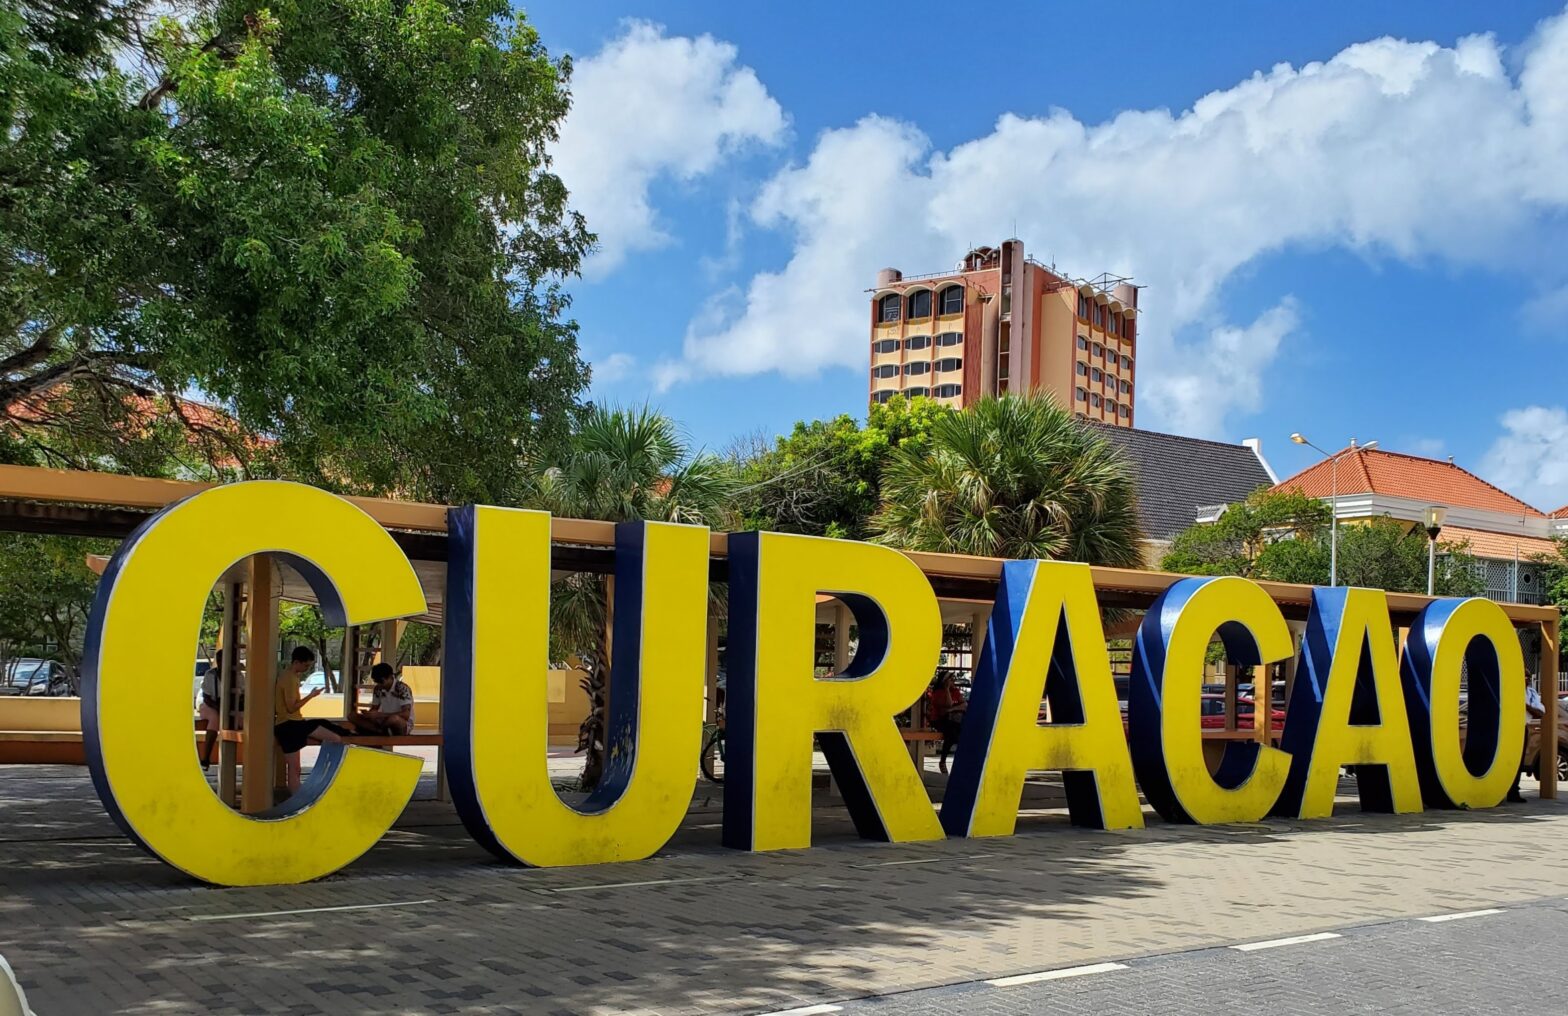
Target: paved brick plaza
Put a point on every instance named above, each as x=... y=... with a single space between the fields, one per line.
x=92 y=925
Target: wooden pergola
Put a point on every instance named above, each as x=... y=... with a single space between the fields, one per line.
x=107 y=505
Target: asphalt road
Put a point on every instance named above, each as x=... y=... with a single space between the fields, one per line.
x=1506 y=961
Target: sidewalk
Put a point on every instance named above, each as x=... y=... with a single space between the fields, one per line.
x=93 y=925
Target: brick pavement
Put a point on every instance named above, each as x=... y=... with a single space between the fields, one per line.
x=93 y=925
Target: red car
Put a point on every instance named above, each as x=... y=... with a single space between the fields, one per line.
x=1214 y=713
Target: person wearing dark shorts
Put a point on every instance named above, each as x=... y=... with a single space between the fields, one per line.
x=945 y=707
x=292 y=730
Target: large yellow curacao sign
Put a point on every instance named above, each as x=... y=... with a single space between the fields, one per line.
x=1355 y=701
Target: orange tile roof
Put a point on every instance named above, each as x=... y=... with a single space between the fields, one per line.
x=1498 y=546
x=1561 y=513
x=1363 y=471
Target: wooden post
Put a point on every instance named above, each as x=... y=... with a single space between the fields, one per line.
x=348 y=674
x=391 y=635
x=1549 y=692
x=1296 y=636
x=232 y=642
x=1231 y=674
x=711 y=709
x=841 y=621
x=977 y=625
x=260 y=664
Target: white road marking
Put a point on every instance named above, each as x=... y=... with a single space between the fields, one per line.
x=1056 y=975
x=1275 y=943
x=806 y=1010
x=313 y=910
x=1438 y=918
x=633 y=885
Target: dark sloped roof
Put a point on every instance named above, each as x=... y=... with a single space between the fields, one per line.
x=1178 y=475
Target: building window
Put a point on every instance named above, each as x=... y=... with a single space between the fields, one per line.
x=950 y=338
x=885 y=345
x=1110 y=406
x=1094 y=400
x=952 y=301
x=949 y=363
x=1126 y=409
x=919 y=367
x=1082 y=368
x=1126 y=362
x=949 y=391
x=917 y=342
x=917 y=392
x=1001 y=369
x=887 y=307
x=920 y=304
x=1126 y=386
x=1081 y=394
x=1083 y=307
x=886 y=370
x=1083 y=343
x=1116 y=323
x=881 y=397
x=1099 y=351
x=1095 y=375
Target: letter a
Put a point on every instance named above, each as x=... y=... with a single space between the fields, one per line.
x=1346 y=709
x=1045 y=622
x=495 y=716
x=776 y=703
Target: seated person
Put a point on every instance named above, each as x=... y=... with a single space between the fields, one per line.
x=292 y=730
x=208 y=711
x=391 y=704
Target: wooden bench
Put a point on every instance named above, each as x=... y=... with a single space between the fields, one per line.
x=381 y=741
x=47 y=747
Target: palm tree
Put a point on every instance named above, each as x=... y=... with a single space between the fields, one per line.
x=1018 y=477
x=621 y=465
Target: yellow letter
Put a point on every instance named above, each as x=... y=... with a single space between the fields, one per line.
x=1045 y=621
x=1477 y=635
x=1166 y=691
x=776 y=703
x=495 y=715
x=1346 y=709
x=136 y=687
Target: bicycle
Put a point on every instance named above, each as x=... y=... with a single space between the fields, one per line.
x=712 y=750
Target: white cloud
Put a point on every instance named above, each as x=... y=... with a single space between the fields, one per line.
x=1530 y=457
x=613 y=368
x=650 y=106
x=1390 y=148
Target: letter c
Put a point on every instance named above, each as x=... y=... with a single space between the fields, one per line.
x=137 y=673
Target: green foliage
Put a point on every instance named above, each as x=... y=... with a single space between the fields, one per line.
x=1015 y=476
x=1283 y=536
x=1246 y=534
x=825 y=477
x=46 y=592
x=333 y=216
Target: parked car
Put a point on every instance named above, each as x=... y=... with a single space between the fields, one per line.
x=27 y=676
x=1213 y=717
x=1532 y=739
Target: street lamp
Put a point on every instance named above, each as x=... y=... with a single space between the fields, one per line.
x=1432 y=520
x=1333 y=472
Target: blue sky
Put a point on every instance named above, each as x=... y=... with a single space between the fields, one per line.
x=1352 y=218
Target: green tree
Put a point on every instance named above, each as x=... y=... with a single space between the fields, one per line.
x=1269 y=530
x=1015 y=476
x=825 y=477
x=46 y=593
x=1283 y=536
x=621 y=465
x=335 y=217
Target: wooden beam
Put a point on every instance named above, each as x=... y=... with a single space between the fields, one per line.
x=261 y=639
x=1548 y=760
x=953 y=575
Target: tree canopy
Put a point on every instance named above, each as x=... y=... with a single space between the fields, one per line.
x=1016 y=476
x=825 y=477
x=334 y=217
x=1284 y=536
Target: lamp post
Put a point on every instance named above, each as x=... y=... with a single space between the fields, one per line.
x=1333 y=473
x=1432 y=520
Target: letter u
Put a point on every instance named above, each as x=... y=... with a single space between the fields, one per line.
x=495 y=716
